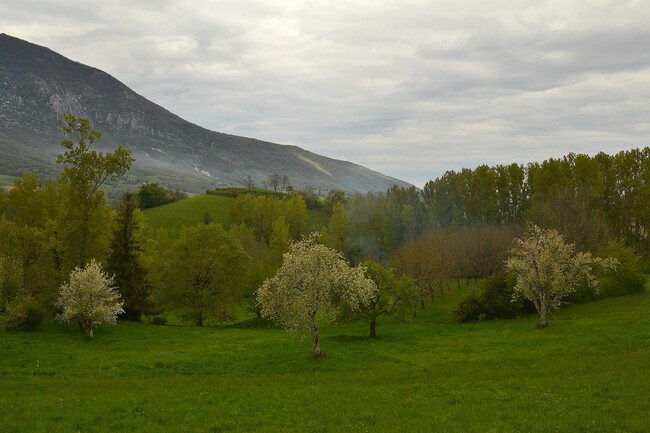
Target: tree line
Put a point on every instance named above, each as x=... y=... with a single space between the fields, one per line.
x=586 y=198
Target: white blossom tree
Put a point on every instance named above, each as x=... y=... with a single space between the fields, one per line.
x=548 y=269
x=313 y=280
x=89 y=298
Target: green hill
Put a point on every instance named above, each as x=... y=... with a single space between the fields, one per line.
x=188 y=212
x=587 y=372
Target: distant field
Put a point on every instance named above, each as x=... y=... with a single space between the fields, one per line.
x=189 y=212
x=587 y=372
x=6 y=180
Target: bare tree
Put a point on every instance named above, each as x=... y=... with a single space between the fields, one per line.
x=249 y=181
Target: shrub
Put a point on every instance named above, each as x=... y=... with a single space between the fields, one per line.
x=628 y=277
x=495 y=302
x=497 y=298
x=158 y=321
x=470 y=310
x=23 y=314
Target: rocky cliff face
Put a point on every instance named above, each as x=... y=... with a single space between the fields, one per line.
x=37 y=85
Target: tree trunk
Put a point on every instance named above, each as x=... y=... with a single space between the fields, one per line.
x=199 y=320
x=88 y=328
x=315 y=333
x=373 y=329
x=541 y=305
x=543 y=323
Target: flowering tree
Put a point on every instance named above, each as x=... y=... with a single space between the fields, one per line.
x=548 y=269
x=89 y=298
x=313 y=278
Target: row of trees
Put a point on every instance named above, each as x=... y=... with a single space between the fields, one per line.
x=586 y=198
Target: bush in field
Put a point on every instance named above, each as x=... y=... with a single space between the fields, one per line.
x=628 y=278
x=23 y=314
x=469 y=310
x=495 y=302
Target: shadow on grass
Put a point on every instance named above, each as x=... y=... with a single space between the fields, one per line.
x=253 y=323
x=357 y=339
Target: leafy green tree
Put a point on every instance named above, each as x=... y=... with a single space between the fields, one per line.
x=333 y=197
x=628 y=277
x=203 y=274
x=83 y=229
x=295 y=211
x=279 y=240
x=26 y=231
x=264 y=262
x=125 y=259
x=395 y=296
x=89 y=298
x=338 y=228
x=152 y=195
x=548 y=270
x=312 y=282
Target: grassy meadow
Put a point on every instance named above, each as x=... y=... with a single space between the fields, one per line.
x=6 y=181
x=191 y=210
x=587 y=372
x=188 y=212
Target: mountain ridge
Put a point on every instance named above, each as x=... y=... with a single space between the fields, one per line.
x=38 y=85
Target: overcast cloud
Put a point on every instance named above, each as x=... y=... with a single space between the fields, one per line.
x=409 y=88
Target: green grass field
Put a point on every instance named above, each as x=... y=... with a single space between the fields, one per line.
x=587 y=372
x=189 y=212
x=6 y=181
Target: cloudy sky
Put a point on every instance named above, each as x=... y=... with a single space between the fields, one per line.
x=409 y=88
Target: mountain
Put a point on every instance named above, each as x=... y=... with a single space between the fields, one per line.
x=38 y=85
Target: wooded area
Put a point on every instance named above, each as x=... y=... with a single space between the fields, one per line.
x=462 y=225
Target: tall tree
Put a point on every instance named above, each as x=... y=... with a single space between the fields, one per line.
x=337 y=228
x=125 y=261
x=83 y=228
x=204 y=274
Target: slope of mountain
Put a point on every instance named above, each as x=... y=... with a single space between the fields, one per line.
x=38 y=85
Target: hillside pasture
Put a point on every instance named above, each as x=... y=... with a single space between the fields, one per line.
x=188 y=212
x=587 y=372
